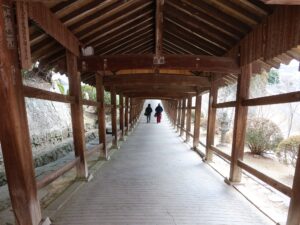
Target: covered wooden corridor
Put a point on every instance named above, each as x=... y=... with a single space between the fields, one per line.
x=144 y=49
x=156 y=179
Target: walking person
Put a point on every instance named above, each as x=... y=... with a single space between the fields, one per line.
x=148 y=112
x=158 y=111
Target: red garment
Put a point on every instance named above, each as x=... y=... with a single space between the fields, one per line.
x=158 y=117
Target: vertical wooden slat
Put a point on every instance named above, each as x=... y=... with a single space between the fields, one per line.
x=179 y=115
x=182 y=116
x=114 y=115
x=294 y=209
x=23 y=31
x=197 y=121
x=240 y=123
x=77 y=114
x=126 y=114
x=101 y=115
x=14 y=132
x=121 y=114
x=188 y=118
x=210 y=138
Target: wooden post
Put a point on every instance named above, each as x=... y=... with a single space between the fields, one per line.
x=14 y=132
x=121 y=115
x=188 y=119
x=179 y=114
x=175 y=105
x=101 y=115
x=197 y=121
x=240 y=123
x=126 y=114
x=210 y=138
x=294 y=209
x=131 y=114
x=182 y=116
x=77 y=114
x=114 y=116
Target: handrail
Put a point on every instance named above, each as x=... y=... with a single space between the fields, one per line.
x=220 y=153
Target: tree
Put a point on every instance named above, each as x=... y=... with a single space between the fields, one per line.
x=290 y=147
x=262 y=135
x=273 y=76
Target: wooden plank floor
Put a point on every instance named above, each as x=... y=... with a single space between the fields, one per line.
x=155 y=179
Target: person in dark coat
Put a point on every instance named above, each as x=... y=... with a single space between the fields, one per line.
x=158 y=112
x=148 y=112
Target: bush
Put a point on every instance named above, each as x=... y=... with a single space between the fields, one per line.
x=262 y=135
x=290 y=147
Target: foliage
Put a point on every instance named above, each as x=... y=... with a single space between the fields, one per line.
x=289 y=147
x=262 y=135
x=106 y=97
x=61 y=88
x=273 y=77
x=90 y=91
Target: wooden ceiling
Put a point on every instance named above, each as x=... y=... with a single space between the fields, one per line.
x=114 y=27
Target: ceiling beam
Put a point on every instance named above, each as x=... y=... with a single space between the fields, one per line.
x=41 y=15
x=182 y=62
x=282 y=2
x=159 y=27
x=154 y=80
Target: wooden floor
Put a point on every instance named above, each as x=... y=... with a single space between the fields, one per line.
x=155 y=179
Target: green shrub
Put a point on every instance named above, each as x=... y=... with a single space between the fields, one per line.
x=262 y=135
x=289 y=147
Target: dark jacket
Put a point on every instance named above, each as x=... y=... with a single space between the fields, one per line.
x=159 y=109
x=148 y=111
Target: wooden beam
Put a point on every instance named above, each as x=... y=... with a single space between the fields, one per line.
x=197 y=121
x=113 y=98
x=31 y=92
x=294 y=209
x=139 y=88
x=182 y=125
x=179 y=114
x=157 y=95
x=213 y=95
x=188 y=118
x=240 y=123
x=159 y=27
x=126 y=115
x=275 y=99
x=23 y=31
x=101 y=116
x=41 y=15
x=152 y=79
x=182 y=62
x=121 y=99
x=281 y=2
x=77 y=114
x=14 y=131
x=224 y=104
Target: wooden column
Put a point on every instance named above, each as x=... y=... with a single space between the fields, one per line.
x=182 y=117
x=210 y=138
x=126 y=115
x=101 y=115
x=175 y=105
x=240 y=123
x=197 y=121
x=131 y=114
x=121 y=115
x=77 y=114
x=294 y=209
x=14 y=133
x=188 y=119
x=179 y=114
x=113 y=98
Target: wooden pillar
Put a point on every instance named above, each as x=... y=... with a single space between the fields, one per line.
x=197 y=121
x=121 y=115
x=179 y=114
x=101 y=115
x=113 y=98
x=182 y=116
x=210 y=138
x=188 y=119
x=240 y=123
x=294 y=209
x=131 y=113
x=77 y=114
x=14 y=132
x=126 y=115
x=175 y=105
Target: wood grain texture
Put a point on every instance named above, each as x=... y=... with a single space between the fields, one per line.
x=196 y=138
x=14 y=132
x=188 y=118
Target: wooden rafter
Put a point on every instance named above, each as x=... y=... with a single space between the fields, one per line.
x=159 y=27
